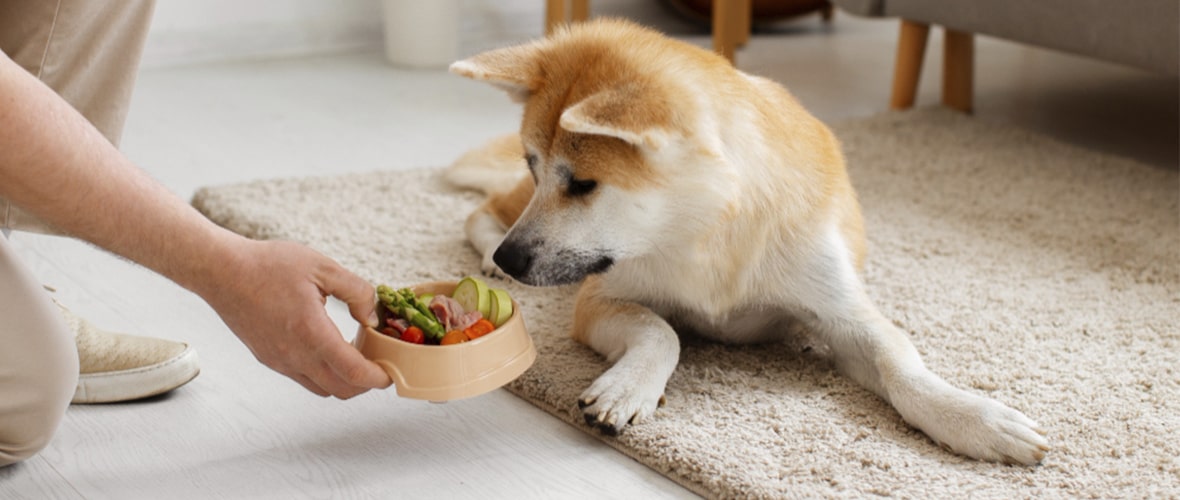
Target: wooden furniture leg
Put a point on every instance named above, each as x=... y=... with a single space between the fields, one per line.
x=958 y=70
x=559 y=12
x=722 y=39
x=731 y=25
x=911 y=49
x=554 y=15
x=744 y=18
x=579 y=10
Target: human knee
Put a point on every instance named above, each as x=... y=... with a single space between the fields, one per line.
x=35 y=393
x=25 y=436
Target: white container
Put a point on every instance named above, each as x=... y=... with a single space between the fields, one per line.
x=421 y=33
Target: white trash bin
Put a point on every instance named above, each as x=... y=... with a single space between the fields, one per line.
x=421 y=33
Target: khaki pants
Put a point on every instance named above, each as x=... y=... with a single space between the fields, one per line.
x=88 y=52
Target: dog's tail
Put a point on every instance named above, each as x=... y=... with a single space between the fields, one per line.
x=495 y=167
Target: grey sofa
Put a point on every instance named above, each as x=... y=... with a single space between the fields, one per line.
x=1139 y=33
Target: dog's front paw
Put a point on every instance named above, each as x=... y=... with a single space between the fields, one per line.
x=986 y=429
x=617 y=399
x=489 y=268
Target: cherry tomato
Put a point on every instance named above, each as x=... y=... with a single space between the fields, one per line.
x=414 y=335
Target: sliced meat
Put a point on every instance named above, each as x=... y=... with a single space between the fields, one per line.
x=398 y=324
x=447 y=310
x=465 y=320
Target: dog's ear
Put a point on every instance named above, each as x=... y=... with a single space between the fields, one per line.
x=512 y=69
x=625 y=113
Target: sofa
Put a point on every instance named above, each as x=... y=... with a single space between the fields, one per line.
x=1139 y=33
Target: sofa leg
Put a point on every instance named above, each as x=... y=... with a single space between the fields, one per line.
x=554 y=15
x=958 y=68
x=744 y=22
x=731 y=26
x=911 y=49
x=559 y=12
x=579 y=10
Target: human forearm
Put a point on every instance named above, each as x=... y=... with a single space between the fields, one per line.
x=54 y=164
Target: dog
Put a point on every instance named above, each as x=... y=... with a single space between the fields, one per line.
x=683 y=194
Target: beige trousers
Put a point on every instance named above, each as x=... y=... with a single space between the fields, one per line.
x=88 y=52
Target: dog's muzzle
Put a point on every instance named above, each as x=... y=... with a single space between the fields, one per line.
x=525 y=264
x=514 y=259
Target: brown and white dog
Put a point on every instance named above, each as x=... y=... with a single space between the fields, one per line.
x=681 y=191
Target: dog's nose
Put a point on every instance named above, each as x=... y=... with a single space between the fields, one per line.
x=513 y=258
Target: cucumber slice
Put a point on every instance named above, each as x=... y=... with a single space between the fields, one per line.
x=501 y=308
x=472 y=294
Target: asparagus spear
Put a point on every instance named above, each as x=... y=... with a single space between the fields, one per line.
x=412 y=299
x=396 y=301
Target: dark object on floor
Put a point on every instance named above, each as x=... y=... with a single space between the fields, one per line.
x=763 y=11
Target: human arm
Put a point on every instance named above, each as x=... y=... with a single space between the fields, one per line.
x=55 y=165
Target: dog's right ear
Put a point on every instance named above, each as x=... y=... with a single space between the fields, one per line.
x=512 y=69
x=627 y=112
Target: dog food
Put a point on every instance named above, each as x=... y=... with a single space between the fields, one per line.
x=473 y=310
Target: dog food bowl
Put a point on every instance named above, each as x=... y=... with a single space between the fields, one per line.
x=448 y=372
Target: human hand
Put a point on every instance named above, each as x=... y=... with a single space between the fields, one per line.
x=272 y=296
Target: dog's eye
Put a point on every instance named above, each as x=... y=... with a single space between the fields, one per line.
x=531 y=159
x=581 y=187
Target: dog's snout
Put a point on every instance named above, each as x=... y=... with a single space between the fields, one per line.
x=513 y=258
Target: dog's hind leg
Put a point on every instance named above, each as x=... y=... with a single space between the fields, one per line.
x=868 y=348
x=642 y=348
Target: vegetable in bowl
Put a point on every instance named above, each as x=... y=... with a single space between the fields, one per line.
x=474 y=309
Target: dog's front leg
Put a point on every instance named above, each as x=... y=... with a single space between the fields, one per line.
x=485 y=232
x=644 y=351
x=872 y=351
x=487 y=225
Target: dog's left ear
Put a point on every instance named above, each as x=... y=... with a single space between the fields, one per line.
x=626 y=113
x=512 y=69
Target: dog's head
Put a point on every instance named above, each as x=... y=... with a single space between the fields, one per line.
x=607 y=139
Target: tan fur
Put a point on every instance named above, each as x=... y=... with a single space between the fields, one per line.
x=493 y=168
x=679 y=190
x=508 y=206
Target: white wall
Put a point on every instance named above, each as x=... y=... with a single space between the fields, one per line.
x=193 y=31
x=186 y=31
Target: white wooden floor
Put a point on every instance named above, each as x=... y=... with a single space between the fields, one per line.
x=242 y=431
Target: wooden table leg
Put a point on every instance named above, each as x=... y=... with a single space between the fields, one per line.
x=958 y=70
x=907 y=69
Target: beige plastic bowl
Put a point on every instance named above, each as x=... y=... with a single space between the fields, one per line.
x=457 y=371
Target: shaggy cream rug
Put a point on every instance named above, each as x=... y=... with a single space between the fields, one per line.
x=1039 y=274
